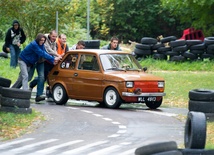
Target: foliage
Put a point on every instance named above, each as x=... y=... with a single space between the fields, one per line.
x=194 y=13
x=35 y=15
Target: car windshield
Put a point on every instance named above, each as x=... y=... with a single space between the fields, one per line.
x=119 y=62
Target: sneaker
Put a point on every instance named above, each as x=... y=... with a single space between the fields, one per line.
x=39 y=98
x=49 y=99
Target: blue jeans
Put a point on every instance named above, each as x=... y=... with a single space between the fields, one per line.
x=40 y=80
x=14 y=54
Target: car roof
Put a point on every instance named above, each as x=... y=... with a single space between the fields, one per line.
x=98 y=51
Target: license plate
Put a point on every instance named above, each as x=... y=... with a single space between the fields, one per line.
x=143 y=99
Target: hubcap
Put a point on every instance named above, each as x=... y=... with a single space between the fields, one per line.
x=111 y=97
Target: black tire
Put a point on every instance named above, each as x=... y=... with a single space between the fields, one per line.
x=201 y=95
x=153 y=104
x=14 y=102
x=168 y=39
x=178 y=58
x=140 y=52
x=198 y=47
x=209 y=40
x=4 y=55
x=180 y=48
x=171 y=53
x=196 y=152
x=16 y=93
x=164 y=49
x=156 y=46
x=207 y=56
x=189 y=55
x=193 y=42
x=92 y=43
x=195 y=130
x=177 y=43
x=59 y=95
x=173 y=152
x=149 y=40
x=201 y=106
x=143 y=46
x=158 y=56
x=112 y=98
x=16 y=110
x=5 y=82
x=156 y=148
x=196 y=52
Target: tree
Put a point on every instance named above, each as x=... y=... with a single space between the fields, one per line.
x=35 y=15
x=194 y=13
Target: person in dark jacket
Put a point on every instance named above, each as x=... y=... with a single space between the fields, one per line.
x=113 y=45
x=15 y=36
x=28 y=58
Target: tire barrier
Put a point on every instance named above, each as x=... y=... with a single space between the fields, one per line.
x=173 y=49
x=14 y=100
x=92 y=44
x=201 y=100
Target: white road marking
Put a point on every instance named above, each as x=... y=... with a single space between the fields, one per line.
x=105 y=150
x=86 y=111
x=114 y=135
x=78 y=150
x=121 y=131
x=4 y=146
x=122 y=126
x=98 y=115
x=53 y=148
x=107 y=119
x=116 y=122
x=161 y=113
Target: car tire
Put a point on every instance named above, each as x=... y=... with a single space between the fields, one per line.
x=209 y=40
x=112 y=98
x=5 y=82
x=143 y=46
x=16 y=110
x=156 y=46
x=196 y=152
x=16 y=93
x=156 y=148
x=190 y=43
x=14 y=102
x=196 y=52
x=201 y=95
x=180 y=48
x=177 y=43
x=195 y=130
x=198 y=47
x=189 y=55
x=201 y=106
x=158 y=56
x=59 y=95
x=92 y=44
x=153 y=104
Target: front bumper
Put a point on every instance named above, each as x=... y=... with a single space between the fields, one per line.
x=142 y=94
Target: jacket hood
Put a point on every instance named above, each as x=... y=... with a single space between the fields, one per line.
x=15 y=22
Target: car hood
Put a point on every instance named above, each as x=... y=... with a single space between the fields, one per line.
x=131 y=76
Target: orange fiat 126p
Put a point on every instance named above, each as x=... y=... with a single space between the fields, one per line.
x=108 y=77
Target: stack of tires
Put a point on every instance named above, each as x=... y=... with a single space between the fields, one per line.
x=92 y=44
x=144 y=49
x=178 y=49
x=201 y=100
x=209 y=43
x=12 y=99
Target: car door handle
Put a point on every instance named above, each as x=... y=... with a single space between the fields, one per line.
x=75 y=74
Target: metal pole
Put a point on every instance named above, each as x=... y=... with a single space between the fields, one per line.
x=57 y=21
x=88 y=18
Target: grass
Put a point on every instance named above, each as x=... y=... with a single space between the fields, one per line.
x=14 y=125
x=180 y=78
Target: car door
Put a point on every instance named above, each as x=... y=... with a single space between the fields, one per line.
x=88 y=78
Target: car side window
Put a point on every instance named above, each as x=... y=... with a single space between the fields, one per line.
x=88 y=62
x=69 y=62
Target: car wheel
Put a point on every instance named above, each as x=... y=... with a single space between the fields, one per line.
x=112 y=98
x=59 y=94
x=195 y=130
x=156 y=148
x=153 y=104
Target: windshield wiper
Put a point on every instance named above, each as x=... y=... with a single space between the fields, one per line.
x=115 y=68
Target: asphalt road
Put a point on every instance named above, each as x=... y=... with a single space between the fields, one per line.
x=81 y=127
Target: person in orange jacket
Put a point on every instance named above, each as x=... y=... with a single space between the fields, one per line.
x=61 y=45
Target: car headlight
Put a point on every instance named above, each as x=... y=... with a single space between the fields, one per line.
x=160 y=84
x=129 y=84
